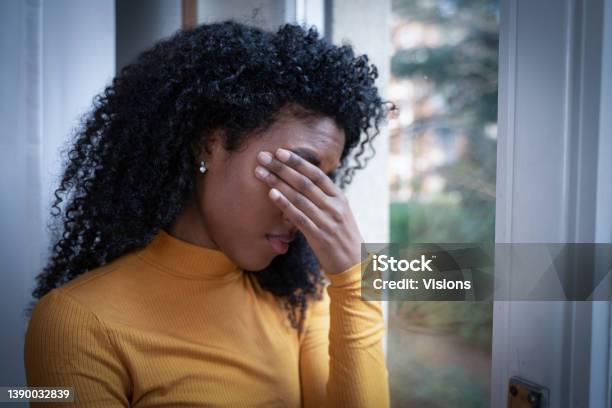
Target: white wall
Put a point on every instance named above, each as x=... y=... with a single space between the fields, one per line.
x=61 y=53
x=20 y=184
x=365 y=25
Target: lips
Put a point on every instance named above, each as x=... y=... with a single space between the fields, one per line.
x=279 y=243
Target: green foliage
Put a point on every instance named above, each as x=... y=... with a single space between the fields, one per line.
x=438 y=222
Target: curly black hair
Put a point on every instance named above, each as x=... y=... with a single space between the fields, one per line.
x=130 y=168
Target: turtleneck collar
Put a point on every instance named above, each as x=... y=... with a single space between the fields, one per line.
x=187 y=260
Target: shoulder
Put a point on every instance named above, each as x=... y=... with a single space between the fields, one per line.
x=100 y=290
x=101 y=276
x=60 y=325
x=59 y=311
x=67 y=345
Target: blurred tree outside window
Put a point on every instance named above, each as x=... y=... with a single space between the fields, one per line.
x=444 y=70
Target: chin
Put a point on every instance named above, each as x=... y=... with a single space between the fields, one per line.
x=257 y=262
x=265 y=263
x=258 y=257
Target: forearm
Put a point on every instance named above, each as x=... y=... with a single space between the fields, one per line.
x=357 y=373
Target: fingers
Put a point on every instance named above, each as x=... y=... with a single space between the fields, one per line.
x=294 y=214
x=300 y=201
x=309 y=170
x=302 y=183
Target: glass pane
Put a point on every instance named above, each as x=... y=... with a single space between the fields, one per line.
x=442 y=179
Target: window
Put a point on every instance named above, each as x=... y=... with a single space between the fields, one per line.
x=443 y=161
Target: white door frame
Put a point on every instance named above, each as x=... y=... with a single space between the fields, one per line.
x=551 y=181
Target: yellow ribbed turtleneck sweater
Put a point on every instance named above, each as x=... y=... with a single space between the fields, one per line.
x=175 y=324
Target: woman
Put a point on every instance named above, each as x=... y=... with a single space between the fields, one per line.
x=206 y=256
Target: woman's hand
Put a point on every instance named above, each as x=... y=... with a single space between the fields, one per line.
x=315 y=205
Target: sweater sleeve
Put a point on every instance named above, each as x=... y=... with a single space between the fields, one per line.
x=342 y=362
x=66 y=345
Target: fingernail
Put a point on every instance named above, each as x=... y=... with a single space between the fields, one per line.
x=261 y=172
x=282 y=154
x=274 y=193
x=265 y=157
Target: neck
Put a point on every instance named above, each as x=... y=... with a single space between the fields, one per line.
x=189 y=226
x=183 y=259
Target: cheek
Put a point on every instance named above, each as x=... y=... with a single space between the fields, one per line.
x=239 y=215
x=258 y=200
x=246 y=201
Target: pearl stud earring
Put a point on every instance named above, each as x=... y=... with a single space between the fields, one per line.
x=202 y=167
